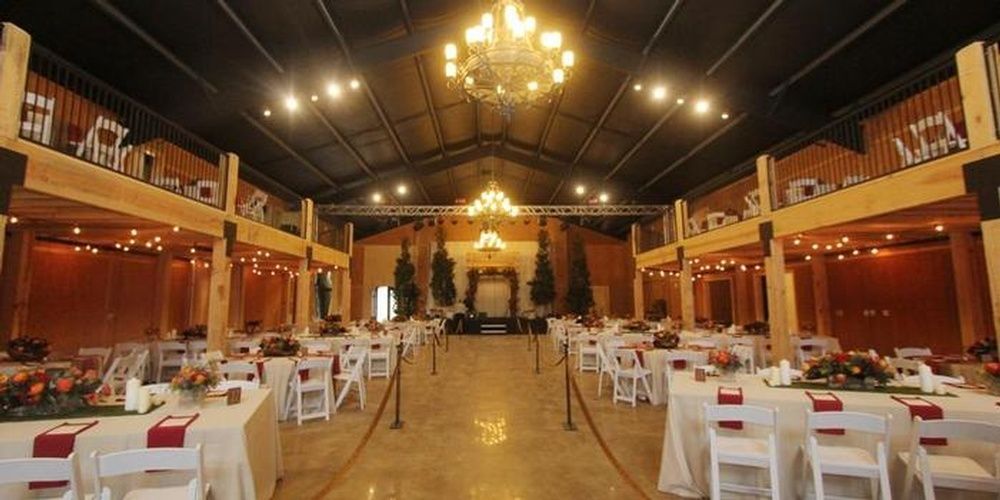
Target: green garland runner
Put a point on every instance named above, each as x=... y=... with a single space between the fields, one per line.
x=473 y=276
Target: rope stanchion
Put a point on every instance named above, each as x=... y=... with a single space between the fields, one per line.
x=398 y=376
x=538 y=354
x=569 y=426
x=434 y=358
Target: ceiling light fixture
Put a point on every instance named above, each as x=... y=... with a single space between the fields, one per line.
x=291 y=103
x=660 y=93
x=377 y=197
x=701 y=106
x=581 y=189
x=355 y=84
x=402 y=189
x=637 y=87
x=333 y=90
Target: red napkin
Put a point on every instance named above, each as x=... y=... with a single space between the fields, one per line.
x=56 y=442
x=85 y=363
x=260 y=369
x=827 y=402
x=920 y=407
x=169 y=432
x=304 y=375
x=680 y=364
x=730 y=396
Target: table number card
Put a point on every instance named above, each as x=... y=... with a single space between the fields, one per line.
x=233 y=396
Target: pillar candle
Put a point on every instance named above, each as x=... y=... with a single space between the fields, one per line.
x=786 y=372
x=775 y=377
x=132 y=387
x=145 y=400
x=926 y=379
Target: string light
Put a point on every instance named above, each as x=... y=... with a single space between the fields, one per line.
x=291 y=103
x=77 y=230
x=660 y=93
x=890 y=236
x=581 y=189
x=267 y=113
x=134 y=232
x=939 y=228
x=809 y=257
x=176 y=229
x=701 y=106
x=637 y=87
x=14 y=219
x=402 y=189
x=333 y=90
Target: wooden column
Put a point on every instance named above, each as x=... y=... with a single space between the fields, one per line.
x=230 y=171
x=161 y=293
x=764 y=163
x=991 y=244
x=218 y=296
x=307 y=220
x=638 y=293
x=303 y=296
x=15 y=46
x=967 y=290
x=343 y=276
x=237 y=296
x=744 y=300
x=774 y=271
x=976 y=103
x=686 y=284
x=17 y=281
x=821 y=296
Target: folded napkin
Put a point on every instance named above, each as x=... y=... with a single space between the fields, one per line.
x=57 y=442
x=730 y=396
x=826 y=401
x=920 y=407
x=169 y=432
x=680 y=364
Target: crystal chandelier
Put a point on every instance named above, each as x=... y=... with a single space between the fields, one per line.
x=504 y=65
x=490 y=241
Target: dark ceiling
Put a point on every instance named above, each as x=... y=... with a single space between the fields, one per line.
x=779 y=67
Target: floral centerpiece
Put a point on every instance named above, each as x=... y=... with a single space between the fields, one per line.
x=591 y=321
x=991 y=377
x=756 y=328
x=850 y=370
x=280 y=346
x=252 y=326
x=37 y=392
x=636 y=325
x=28 y=349
x=373 y=326
x=666 y=340
x=194 y=332
x=726 y=362
x=984 y=349
x=192 y=382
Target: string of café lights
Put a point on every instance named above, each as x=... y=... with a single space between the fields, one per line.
x=127 y=245
x=838 y=247
x=334 y=90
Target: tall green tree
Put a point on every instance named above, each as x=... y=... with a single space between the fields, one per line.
x=579 y=295
x=406 y=290
x=543 y=284
x=442 y=273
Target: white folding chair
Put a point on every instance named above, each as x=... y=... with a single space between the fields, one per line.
x=320 y=370
x=26 y=470
x=118 y=372
x=103 y=352
x=759 y=453
x=196 y=349
x=950 y=471
x=604 y=366
x=850 y=461
x=632 y=371
x=242 y=347
x=36 y=124
x=352 y=376
x=806 y=349
x=245 y=385
x=703 y=343
x=238 y=370
x=913 y=352
x=353 y=351
x=95 y=149
x=904 y=366
x=157 y=389
x=380 y=357
x=745 y=353
x=172 y=356
x=586 y=353
x=316 y=346
x=145 y=460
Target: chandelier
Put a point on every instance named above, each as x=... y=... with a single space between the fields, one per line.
x=490 y=241
x=504 y=65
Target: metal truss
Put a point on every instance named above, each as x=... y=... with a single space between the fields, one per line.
x=462 y=210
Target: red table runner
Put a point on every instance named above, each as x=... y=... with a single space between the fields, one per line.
x=920 y=407
x=169 y=432
x=57 y=442
x=826 y=401
x=730 y=396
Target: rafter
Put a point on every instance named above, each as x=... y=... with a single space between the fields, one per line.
x=290 y=150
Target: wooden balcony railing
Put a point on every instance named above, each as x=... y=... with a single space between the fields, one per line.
x=261 y=206
x=993 y=72
x=917 y=122
x=72 y=112
x=732 y=203
x=657 y=231
x=332 y=234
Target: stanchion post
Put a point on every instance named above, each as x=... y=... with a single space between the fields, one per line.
x=569 y=426
x=538 y=355
x=434 y=354
x=398 y=424
x=447 y=336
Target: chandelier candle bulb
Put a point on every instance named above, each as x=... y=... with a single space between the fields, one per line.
x=558 y=75
x=568 y=58
x=450 y=70
x=450 y=52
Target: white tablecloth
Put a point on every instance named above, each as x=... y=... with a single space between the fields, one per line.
x=241 y=446
x=656 y=361
x=684 y=462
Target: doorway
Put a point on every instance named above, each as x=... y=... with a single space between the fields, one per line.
x=720 y=301
x=383 y=303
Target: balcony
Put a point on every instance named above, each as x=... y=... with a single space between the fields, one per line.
x=729 y=204
x=256 y=204
x=336 y=235
x=657 y=231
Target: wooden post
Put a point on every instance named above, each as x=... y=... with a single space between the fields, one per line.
x=680 y=220
x=774 y=270
x=973 y=80
x=821 y=296
x=161 y=293
x=17 y=275
x=218 y=296
x=764 y=163
x=638 y=294
x=15 y=47
x=303 y=296
x=237 y=296
x=343 y=277
x=307 y=221
x=4 y=220
x=230 y=171
x=991 y=244
x=686 y=284
x=967 y=290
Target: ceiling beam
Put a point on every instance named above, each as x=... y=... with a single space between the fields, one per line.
x=646 y=50
x=695 y=150
x=128 y=23
x=372 y=99
x=642 y=141
x=250 y=36
x=288 y=149
x=837 y=47
x=749 y=32
x=424 y=86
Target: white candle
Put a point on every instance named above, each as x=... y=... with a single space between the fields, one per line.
x=786 y=372
x=926 y=379
x=775 y=378
x=132 y=387
x=145 y=400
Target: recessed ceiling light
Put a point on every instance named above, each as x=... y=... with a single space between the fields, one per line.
x=402 y=189
x=355 y=84
x=637 y=87
x=874 y=251
x=266 y=113
x=314 y=98
x=333 y=89
x=377 y=197
x=660 y=93
x=680 y=100
x=291 y=103
x=176 y=228
x=603 y=197
x=890 y=236
x=809 y=257
x=725 y=116
x=939 y=228
x=581 y=189
x=77 y=230
x=701 y=106
x=134 y=232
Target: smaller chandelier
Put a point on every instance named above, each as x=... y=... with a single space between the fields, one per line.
x=492 y=205
x=490 y=241
x=504 y=65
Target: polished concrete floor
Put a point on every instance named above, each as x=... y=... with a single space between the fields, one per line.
x=486 y=426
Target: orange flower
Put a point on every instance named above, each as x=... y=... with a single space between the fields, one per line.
x=200 y=379
x=64 y=385
x=20 y=377
x=36 y=389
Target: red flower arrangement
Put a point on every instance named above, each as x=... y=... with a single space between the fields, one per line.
x=40 y=392
x=991 y=377
x=280 y=346
x=195 y=380
x=725 y=361
x=849 y=369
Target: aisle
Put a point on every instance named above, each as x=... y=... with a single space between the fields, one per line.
x=485 y=427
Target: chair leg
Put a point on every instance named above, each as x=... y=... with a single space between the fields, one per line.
x=298 y=404
x=635 y=386
x=716 y=486
x=773 y=469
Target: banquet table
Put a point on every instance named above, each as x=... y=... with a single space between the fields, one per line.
x=684 y=462
x=11 y=367
x=240 y=445
x=656 y=361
